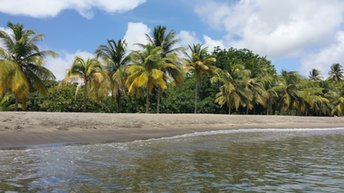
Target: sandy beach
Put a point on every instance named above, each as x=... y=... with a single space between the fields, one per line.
x=30 y=129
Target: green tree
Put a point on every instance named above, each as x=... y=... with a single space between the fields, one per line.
x=5 y=102
x=314 y=75
x=116 y=59
x=234 y=91
x=21 y=63
x=145 y=72
x=336 y=73
x=311 y=99
x=199 y=62
x=336 y=96
x=91 y=72
x=287 y=91
x=167 y=42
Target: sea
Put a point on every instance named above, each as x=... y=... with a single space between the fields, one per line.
x=239 y=160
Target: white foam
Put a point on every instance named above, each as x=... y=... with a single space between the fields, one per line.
x=235 y=131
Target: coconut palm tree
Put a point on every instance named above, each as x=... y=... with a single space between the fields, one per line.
x=312 y=100
x=314 y=75
x=199 y=62
x=144 y=73
x=287 y=90
x=91 y=72
x=336 y=96
x=336 y=73
x=116 y=59
x=21 y=63
x=167 y=42
x=337 y=104
x=234 y=91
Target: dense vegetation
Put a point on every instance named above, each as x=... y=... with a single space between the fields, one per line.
x=161 y=77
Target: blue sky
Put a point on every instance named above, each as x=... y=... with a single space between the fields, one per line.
x=295 y=35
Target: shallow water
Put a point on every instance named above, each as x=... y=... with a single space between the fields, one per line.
x=268 y=160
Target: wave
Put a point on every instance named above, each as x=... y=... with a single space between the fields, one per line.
x=235 y=131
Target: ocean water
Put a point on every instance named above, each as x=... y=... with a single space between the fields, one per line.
x=244 y=160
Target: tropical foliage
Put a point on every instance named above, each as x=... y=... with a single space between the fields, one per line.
x=199 y=62
x=158 y=78
x=21 y=63
x=93 y=77
x=115 y=58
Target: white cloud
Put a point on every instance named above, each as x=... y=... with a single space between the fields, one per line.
x=136 y=33
x=51 y=8
x=211 y=43
x=323 y=59
x=60 y=64
x=187 y=38
x=275 y=28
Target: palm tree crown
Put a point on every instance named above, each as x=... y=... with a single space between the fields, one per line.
x=145 y=71
x=336 y=72
x=167 y=42
x=115 y=57
x=22 y=63
x=91 y=72
x=314 y=75
x=199 y=62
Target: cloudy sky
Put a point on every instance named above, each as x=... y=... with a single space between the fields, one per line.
x=293 y=34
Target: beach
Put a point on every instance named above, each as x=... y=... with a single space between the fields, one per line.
x=35 y=129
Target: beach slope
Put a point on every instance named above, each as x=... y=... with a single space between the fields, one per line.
x=27 y=129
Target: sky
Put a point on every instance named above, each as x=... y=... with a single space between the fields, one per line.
x=293 y=34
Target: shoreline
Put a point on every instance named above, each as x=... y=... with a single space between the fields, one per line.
x=20 y=130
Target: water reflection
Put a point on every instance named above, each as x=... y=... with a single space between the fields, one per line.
x=297 y=161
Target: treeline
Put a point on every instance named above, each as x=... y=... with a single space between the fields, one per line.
x=161 y=78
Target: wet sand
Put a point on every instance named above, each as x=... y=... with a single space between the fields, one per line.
x=34 y=129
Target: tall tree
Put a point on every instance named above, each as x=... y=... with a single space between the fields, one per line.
x=287 y=90
x=234 y=91
x=145 y=72
x=21 y=63
x=336 y=73
x=314 y=75
x=115 y=57
x=199 y=62
x=91 y=72
x=167 y=42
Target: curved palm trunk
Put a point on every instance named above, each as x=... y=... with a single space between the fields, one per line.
x=158 y=101
x=147 y=102
x=268 y=107
x=118 y=101
x=24 y=104
x=229 y=109
x=196 y=92
x=85 y=97
x=16 y=104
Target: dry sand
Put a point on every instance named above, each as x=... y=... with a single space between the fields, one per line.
x=27 y=129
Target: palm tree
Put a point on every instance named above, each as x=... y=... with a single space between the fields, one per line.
x=337 y=104
x=336 y=73
x=312 y=99
x=21 y=63
x=145 y=71
x=199 y=62
x=336 y=96
x=234 y=91
x=167 y=43
x=287 y=90
x=115 y=57
x=91 y=72
x=314 y=75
